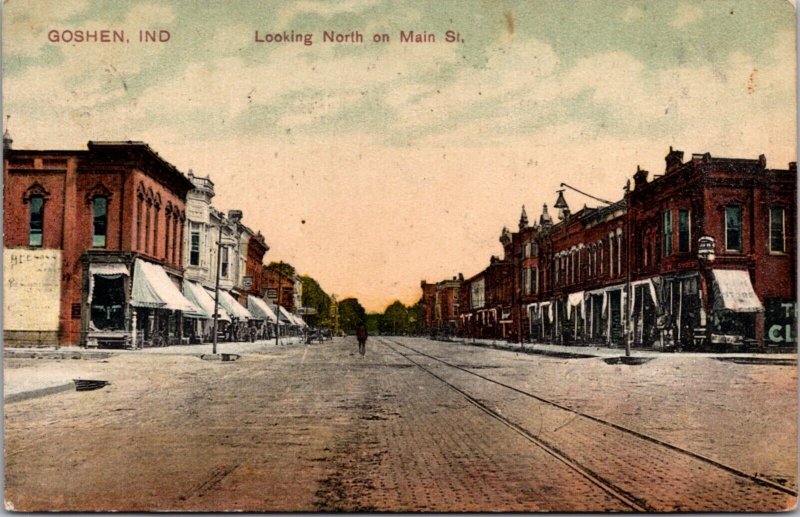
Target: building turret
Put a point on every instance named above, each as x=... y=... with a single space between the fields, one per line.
x=674 y=159
x=523 y=219
x=7 y=141
x=545 y=221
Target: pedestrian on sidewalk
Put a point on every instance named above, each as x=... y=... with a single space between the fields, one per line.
x=361 y=335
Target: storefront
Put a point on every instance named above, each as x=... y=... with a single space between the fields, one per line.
x=264 y=319
x=158 y=307
x=734 y=309
x=199 y=328
x=237 y=330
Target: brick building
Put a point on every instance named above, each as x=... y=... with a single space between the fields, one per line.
x=93 y=245
x=573 y=284
x=486 y=301
x=711 y=247
x=440 y=302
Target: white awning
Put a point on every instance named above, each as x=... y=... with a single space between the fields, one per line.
x=260 y=310
x=109 y=271
x=153 y=289
x=733 y=291
x=200 y=297
x=234 y=308
x=651 y=289
x=576 y=300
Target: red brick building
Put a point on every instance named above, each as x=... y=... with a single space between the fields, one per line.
x=279 y=287
x=109 y=213
x=440 y=303
x=487 y=301
x=256 y=249
x=711 y=244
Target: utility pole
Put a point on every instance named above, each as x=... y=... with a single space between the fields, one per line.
x=216 y=291
x=628 y=333
x=278 y=304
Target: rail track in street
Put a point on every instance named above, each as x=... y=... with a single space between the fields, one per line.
x=651 y=481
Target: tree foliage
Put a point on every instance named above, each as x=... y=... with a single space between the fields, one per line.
x=284 y=267
x=316 y=298
x=351 y=314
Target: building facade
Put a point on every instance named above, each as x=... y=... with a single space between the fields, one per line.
x=440 y=305
x=701 y=256
x=93 y=252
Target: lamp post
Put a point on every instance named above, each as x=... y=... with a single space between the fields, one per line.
x=220 y=245
x=628 y=332
x=216 y=292
x=278 y=305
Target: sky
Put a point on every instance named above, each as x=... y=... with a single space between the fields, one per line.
x=373 y=166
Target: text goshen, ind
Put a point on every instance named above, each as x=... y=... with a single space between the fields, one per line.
x=307 y=38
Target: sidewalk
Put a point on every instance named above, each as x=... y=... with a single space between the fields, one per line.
x=605 y=352
x=24 y=379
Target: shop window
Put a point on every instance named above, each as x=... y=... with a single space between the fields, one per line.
x=777 y=221
x=194 y=250
x=99 y=221
x=666 y=240
x=684 y=230
x=108 y=303
x=36 y=221
x=733 y=228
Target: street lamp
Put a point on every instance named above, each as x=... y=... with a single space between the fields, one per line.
x=220 y=244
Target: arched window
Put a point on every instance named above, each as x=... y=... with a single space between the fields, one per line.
x=36 y=221
x=99 y=221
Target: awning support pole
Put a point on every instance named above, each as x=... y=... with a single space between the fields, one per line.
x=216 y=293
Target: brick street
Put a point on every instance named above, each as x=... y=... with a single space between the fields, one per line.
x=304 y=428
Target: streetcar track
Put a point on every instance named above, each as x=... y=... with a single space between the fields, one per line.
x=607 y=486
x=750 y=477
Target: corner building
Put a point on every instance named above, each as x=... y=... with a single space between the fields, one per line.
x=93 y=246
x=702 y=256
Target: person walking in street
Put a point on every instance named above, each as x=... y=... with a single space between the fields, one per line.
x=361 y=335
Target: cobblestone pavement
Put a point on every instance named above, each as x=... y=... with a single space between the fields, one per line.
x=320 y=428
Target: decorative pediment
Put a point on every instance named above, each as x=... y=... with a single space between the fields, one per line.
x=35 y=190
x=98 y=190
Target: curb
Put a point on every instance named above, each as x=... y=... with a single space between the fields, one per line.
x=41 y=392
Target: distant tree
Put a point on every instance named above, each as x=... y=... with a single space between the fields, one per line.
x=416 y=318
x=351 y=313
x=316 y=298
x=374 y=322
x=395 y=319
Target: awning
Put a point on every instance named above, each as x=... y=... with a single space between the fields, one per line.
x=260 y=310
x=576 y=300
x=234 y=308
x=651 y=290
x=733 y=291
x=109 y=271
x=153 y=289
x=200 y=297
x=284 y=315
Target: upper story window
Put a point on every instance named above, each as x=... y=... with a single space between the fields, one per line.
x=733 y=228
x=224 y=265
x=99 y=221
x=777 y=230
x=194 y=248
x=36 y=221
x=666 y=240
x=684 y=230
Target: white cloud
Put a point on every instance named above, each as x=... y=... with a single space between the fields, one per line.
x=686 y=14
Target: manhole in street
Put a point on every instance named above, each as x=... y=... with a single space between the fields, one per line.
x=89 y=385
x=631 y=361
